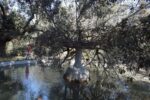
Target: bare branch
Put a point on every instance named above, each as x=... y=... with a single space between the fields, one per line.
x=91 y=60
x=27 y=24
x=68 y=51
x=138 y=11
x=103 y=58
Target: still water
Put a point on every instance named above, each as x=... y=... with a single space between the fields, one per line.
x=38 y=82
x=35 y=82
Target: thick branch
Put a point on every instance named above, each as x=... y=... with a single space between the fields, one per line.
x=81 y=45
x=3 y=11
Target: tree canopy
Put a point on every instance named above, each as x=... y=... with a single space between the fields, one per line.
x=120 y=28
x=19 y=18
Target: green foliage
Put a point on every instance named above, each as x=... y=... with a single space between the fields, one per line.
x=86 y=24
x=18 y=20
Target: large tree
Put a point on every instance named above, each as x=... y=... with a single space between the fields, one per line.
x=97 y=25
x=20 y=17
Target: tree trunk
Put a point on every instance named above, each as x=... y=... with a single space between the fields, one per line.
x=2 y=48
x=2 y=76
x=78 y=58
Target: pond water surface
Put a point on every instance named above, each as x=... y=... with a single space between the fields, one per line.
x=35 y=82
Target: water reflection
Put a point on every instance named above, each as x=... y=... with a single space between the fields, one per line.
x=27 y=72
x=36 y=82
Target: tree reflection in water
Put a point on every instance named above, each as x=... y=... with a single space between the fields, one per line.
x=27 y=72
x=36 y=83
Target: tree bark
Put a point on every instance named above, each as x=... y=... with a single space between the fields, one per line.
x=2 y=48
x=2 y=76
x=78 y=58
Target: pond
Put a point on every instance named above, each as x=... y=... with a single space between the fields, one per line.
x=34 y=80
